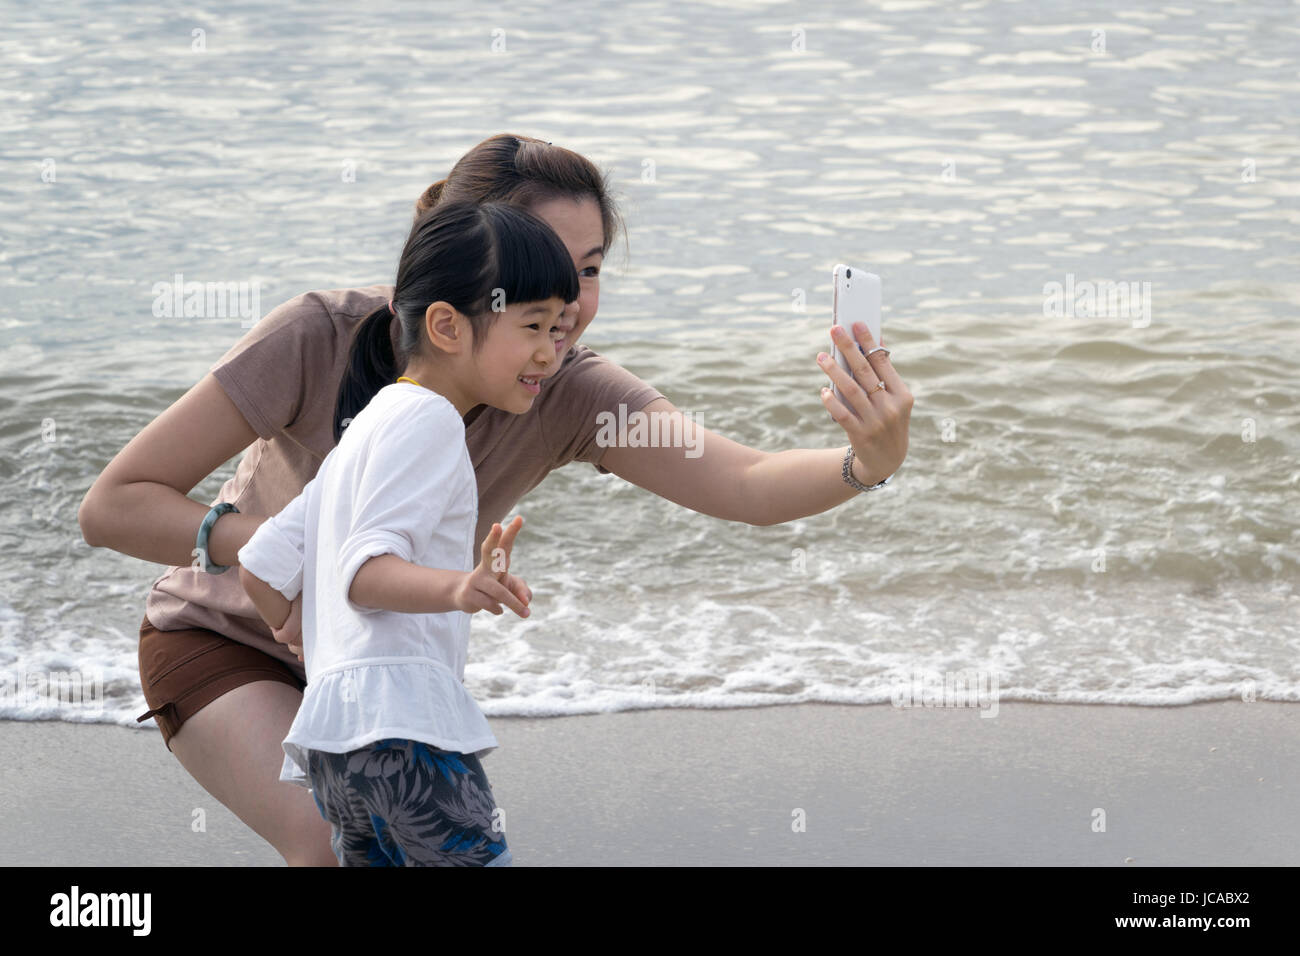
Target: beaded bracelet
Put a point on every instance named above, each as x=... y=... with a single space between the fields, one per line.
x=847 y=474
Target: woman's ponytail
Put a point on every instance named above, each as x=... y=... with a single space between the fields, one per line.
x=525 y=171
x=429 y=198
x=370 y=367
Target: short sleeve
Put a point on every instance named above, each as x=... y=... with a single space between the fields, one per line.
x=414 y=467
x=592 y=390
x=272 y=371
x=276 y=552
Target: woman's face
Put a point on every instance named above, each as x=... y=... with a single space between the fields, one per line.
x=579 y=227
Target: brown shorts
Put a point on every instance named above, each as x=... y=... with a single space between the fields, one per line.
x=183 y=671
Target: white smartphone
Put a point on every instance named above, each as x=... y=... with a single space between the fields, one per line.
x=857 y=299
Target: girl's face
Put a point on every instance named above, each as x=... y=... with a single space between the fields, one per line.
x=519 y=345
x=579 y=227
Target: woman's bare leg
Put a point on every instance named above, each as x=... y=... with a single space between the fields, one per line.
x=232 y=748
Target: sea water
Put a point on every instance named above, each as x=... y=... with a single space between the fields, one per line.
x=1100 y=499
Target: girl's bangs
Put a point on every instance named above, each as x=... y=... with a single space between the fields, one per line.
x=534 y=266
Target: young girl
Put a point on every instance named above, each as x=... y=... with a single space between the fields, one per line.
x=379 y=542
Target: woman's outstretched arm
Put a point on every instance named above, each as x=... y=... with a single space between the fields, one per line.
x=733 y=481
x=138 y=504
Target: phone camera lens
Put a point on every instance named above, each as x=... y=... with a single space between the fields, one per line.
x=848 y=273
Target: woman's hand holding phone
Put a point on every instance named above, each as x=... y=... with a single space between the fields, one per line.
x=874 y=419
x=490 y=584
x=868 y=398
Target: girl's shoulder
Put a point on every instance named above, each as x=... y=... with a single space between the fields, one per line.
x=411 y=440
x=425 y=400
x=413 y=412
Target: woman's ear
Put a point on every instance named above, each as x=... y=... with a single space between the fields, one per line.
x=446 y=328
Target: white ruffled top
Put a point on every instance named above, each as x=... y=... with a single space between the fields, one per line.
x=400 y=481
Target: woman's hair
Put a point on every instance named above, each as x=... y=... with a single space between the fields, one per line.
x=476 y=257
x=525 y=171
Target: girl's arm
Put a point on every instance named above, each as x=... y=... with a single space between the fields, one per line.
x=272 y=563
x=415 y=468
x=270 y=603
x=735 y=482
x=387 y=582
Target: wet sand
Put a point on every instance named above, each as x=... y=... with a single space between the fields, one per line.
x=1205 y=785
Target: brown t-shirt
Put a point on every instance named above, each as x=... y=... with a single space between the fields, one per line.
x=284 y=377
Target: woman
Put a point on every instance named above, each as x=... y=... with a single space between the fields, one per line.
x=222 y=688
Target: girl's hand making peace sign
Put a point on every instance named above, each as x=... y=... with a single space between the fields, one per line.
x=490 y=584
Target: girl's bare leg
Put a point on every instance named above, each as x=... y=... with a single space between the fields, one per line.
x=232 y=748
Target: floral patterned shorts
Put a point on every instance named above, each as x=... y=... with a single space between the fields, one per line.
x=406 y=803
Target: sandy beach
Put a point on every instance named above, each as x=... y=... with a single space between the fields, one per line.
x=1205 y=785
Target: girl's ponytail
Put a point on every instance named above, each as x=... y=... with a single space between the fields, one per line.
x=370 y=367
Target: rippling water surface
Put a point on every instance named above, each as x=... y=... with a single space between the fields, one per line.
x=1095 y=507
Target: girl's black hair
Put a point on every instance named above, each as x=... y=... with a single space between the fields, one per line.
x=473 y=256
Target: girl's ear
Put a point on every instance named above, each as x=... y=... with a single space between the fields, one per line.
x=446 y=328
